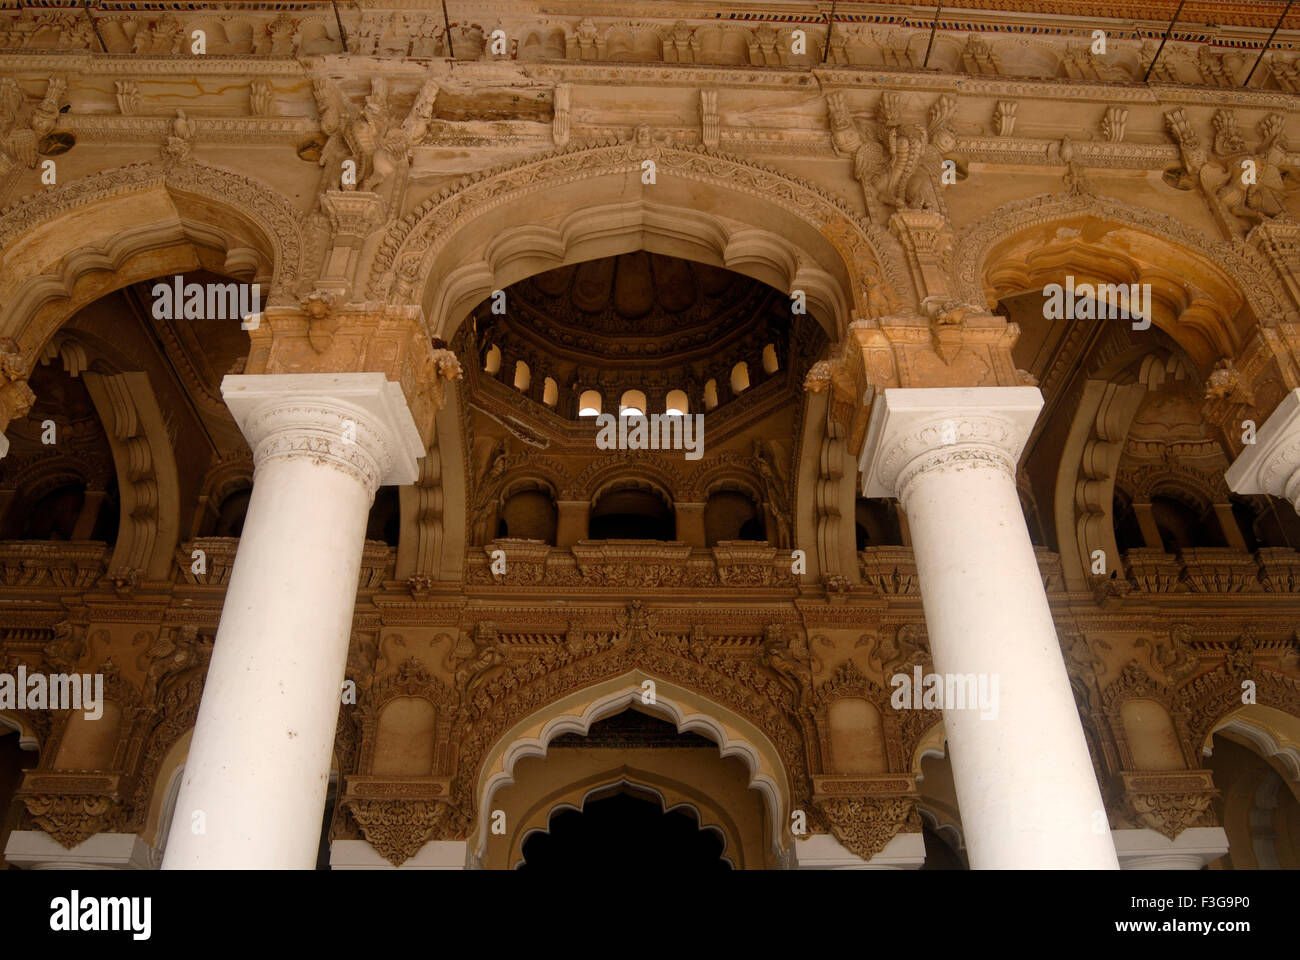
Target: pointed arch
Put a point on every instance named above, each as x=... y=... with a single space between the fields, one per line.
x=1018 y=243
x=71 y=245
x=689 y=711
x=492 y=229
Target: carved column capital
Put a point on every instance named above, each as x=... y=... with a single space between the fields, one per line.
x=357 y=423
x=1272 y=463
x=319 y=337
x=915 y=431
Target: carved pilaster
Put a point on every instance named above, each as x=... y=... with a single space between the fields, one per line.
x=353 y=215
x=927 y=239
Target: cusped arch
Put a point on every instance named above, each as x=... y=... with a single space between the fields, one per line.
x=492 y=229
x=1233 y=276
x=687 y=710
x=1270 y=732
x=640 y=784
x=66 y=247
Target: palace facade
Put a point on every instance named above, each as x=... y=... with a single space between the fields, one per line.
x=329 y=339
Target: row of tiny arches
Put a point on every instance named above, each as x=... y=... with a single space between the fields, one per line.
x=632 y=402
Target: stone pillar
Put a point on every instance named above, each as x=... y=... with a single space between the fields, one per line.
x=690 y=524
x=1147 y=524
x=570 y=522
x=258 y=767
x=1272 y=463
x=1025 y=784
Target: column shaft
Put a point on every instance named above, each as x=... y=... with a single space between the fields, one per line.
x=1025 y=785
x=253 y=791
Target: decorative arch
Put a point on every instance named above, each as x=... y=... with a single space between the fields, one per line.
x=1233 y=273
x=731 y=471
x=69 y=246
x=627 y=466
x=485 y=231
x=1269 y=732
x=1214 y=698
x=689 y=711
x=639 y=783
x=28 y=736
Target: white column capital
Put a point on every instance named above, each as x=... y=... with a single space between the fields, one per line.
x=358 y=423
x=1272 y=463
x=915 y=430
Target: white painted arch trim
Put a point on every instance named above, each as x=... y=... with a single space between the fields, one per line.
x=1286 y=756
x=637 y=787
x=27 y=739
x=575 y=714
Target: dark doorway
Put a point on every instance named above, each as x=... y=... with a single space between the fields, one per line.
x=624 y=832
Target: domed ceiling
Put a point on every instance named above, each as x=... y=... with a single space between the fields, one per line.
x=636 y=309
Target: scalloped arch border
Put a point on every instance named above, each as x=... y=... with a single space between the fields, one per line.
x=775 y=798
x=1243 y=264
x=410 y=245
x=563 y=806
x=279 y=222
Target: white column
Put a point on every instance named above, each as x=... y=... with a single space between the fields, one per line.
x=1025 y=785
x=258 y=767
x=1272 y=463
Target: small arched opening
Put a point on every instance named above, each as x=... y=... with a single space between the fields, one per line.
x=731 y=514
x=529 y=514
x=631 y=513
x=632 y=404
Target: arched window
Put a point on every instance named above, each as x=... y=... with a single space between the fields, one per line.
x=770 y=364
x=677 y=404
x=550 y=392
x=732 y=515
x=492 y=361
x=740 y=377
x=528 y=515
x=710 y=395
x=632 y=404
x=589 y=403
x=523 y=377
x=631 y=514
